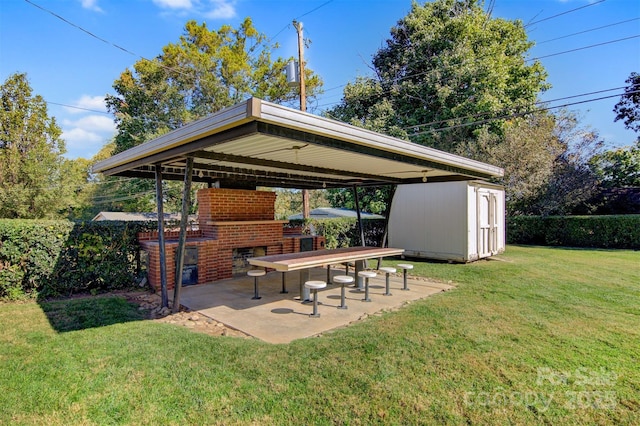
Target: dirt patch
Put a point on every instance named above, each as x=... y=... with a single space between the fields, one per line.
x=194 y=321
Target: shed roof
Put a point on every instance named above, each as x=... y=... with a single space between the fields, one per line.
x=259 y=143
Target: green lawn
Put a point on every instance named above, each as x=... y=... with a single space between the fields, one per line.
x=538 y=336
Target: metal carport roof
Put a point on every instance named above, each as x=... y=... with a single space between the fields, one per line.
x=259 y=143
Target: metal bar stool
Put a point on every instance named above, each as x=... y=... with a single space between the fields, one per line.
x=342 y=279
x=387 y=270
x=314 y=286
x=405 y=267
x=255 y=273
x=366 y=275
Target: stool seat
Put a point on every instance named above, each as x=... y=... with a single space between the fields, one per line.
x=346 y=279
x=342 y=279
x=255 y=273
x=387 y=270
x=366 y=275
x=315 y=285
x=405 y=267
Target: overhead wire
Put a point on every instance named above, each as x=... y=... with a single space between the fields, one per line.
x=77 y=107
x=297 y=18
x=541 y=102
x=515 y=115
x=563 y=13
x=176 y=70
x=587 y=31
x=340 y=86
x=584 y=47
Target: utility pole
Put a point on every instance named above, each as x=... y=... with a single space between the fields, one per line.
x=303 y=104
x=303 y=93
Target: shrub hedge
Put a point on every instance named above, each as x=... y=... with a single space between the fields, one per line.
x=52 y=258
x=40 y=258
x=615 y=231
x=343 y=232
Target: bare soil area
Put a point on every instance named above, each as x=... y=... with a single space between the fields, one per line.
x=192 y=320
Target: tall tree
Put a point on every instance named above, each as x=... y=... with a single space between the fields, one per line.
x=572 y=184
x=204 y=72
x=628 y=108
x=618 y=168
x=456 y=79
x=448 y=70
x=527 y=150
x=34 y=184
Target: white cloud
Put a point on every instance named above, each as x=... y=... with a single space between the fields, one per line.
x=78 y=136
x=95 y=103
x=212 y=9
x=95 y=123
x=221 y=9
x=84 y=137
x=173 y=4
x=91 y=5
x=82 y=143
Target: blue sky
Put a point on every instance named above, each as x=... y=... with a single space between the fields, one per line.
x=68 y=67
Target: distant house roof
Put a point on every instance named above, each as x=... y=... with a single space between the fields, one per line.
x=332 y=213
x=137 y=217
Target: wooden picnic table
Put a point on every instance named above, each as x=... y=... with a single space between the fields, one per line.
x=311 y=259
x=303 y=261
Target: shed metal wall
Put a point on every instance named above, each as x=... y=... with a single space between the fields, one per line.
x=440 y=220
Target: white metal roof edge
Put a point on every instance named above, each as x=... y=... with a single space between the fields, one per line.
x=214 y=123
x=257 y=109
x=284 y=116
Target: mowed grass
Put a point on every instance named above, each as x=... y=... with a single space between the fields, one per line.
x=539 y=336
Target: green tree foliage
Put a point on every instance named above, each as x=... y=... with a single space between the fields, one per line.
x=33 y=171
x=618 y=168
x=451 y=77
x=572 y=184
x=628 y=109
x=107 y=193
x=446 y=65
x=204 y=72
x=372 y=199
x=527 y=167
x=289 y=201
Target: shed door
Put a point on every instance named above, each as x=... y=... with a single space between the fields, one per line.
x=487 y=224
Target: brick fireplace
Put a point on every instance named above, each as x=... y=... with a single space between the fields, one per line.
x=234 y=224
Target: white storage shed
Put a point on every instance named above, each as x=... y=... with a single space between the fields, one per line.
x=457 y=221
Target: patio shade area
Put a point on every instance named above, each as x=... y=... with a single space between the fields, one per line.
x=282 y=318
x=258 y=143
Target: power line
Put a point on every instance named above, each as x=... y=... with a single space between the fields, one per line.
x=481 y=57
x=563 y=13
x=298 y=18
x=515 y=115
x=81 y=29
x=585 y=47
x=77 y=107
x=535 y=103
x=587 y=31
x=129 y=197
x=104 y=40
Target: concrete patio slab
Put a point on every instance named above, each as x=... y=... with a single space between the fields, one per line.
x=282 y=318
